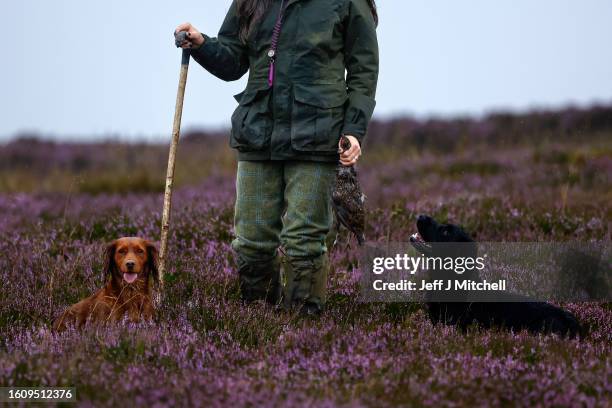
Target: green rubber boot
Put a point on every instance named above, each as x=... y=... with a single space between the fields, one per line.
x=305 y=284
x=260 y=280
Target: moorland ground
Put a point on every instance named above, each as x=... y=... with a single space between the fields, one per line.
x=535 y=177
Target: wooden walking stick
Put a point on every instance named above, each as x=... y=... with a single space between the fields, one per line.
x=176 y=130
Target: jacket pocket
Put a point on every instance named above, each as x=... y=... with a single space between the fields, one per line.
x=252 y=120
x=317 y=116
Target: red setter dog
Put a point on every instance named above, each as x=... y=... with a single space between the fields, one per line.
x=130 y=263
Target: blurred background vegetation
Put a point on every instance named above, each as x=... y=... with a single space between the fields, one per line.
x=573 y=145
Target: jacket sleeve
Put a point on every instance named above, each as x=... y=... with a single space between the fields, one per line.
x=361 y=56
x=225 y=56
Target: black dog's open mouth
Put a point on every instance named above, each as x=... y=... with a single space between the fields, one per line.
x=419 y=243
x=416 y=237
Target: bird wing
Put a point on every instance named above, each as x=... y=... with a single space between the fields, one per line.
x=342 y=215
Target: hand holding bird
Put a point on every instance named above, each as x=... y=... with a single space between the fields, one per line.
x=347 y=199
x=349 y=149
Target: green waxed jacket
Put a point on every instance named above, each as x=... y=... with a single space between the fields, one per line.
x=312 y=101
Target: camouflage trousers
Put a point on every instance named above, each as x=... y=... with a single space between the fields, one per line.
x=283 y=204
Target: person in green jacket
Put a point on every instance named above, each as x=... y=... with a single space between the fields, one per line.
x=313 y=70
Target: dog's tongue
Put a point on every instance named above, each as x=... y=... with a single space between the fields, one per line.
x=130 y=277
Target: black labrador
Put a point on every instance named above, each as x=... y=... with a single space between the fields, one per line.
x=515 y=313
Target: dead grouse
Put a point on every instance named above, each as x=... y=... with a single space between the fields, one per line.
x=347 y=199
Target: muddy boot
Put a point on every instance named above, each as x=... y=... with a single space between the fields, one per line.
x=259 y=280
x=306 y=284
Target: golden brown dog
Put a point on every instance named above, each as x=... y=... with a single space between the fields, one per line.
x=129 y=263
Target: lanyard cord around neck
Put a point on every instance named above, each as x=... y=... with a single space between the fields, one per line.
x=274 y=43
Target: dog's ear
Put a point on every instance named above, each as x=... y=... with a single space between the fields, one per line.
x=109 y=260
x=152 y=261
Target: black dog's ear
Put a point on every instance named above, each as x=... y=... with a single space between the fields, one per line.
x=109 y=260
x=152 y=260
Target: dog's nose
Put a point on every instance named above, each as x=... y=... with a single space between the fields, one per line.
x=130 y=264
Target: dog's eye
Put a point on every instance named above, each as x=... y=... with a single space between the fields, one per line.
x=123 y=251
x=140 y=251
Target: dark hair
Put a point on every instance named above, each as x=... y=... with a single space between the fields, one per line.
x=250 y=13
